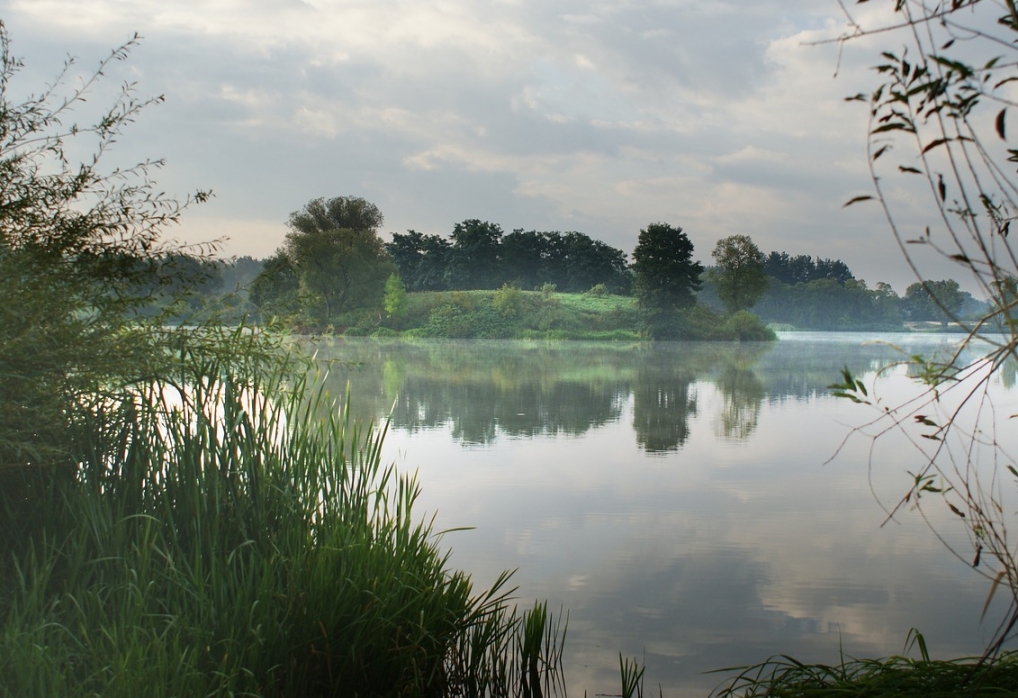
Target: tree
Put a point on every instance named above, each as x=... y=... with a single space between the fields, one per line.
x=474 y=258
x=276 y=289
x=338 y=258
x=940 y=301
x=667 y=278
x=80 y=256
x=422 y=260
x=938 y=126
x=739 y=277
x=338 y=213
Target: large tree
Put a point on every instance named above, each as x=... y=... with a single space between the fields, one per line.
x=667 y=277
x=739 y=278
x=335 y=252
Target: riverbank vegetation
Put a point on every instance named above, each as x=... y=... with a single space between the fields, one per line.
x=900 y=676
x=184 y=511
x=798 y=293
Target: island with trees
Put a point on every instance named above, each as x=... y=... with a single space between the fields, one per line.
x=335 y=274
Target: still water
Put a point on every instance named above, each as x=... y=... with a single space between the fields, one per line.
x=695 y=506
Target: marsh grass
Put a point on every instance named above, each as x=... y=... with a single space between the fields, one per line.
x=230 y=532
x=898 y=676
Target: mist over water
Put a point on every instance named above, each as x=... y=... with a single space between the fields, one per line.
x=696 y=506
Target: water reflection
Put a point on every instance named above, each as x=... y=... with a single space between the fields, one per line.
x=672 y=497
x=483 y=390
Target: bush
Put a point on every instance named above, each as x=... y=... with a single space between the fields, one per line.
x=508 y=301
x=746 y=327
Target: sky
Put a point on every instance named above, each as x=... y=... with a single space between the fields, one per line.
x=720 y=117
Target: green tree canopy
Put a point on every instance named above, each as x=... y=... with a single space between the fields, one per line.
x=666 y=275
x=739 y=277
x=338 y=213
x=337 y=256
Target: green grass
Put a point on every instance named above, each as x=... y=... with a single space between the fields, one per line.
x=230 y=533
x=510 y=313
x=894 y=677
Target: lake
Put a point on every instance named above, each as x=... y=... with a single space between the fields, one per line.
x=686 y=503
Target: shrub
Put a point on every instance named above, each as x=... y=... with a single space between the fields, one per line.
x=508 y=301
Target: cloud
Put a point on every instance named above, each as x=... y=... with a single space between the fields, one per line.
x=721 y=117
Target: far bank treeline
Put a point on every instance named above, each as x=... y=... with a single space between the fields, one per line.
x=335 y=274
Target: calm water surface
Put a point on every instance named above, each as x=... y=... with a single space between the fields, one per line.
x=675 y=499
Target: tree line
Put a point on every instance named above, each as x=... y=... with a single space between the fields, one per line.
x=334 y=269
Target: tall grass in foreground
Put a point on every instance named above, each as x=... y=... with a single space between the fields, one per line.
x=232 y=534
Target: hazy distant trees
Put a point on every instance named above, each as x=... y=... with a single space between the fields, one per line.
x=939 y=301
x=478 y=255
x=739 y=278
x=802 y=269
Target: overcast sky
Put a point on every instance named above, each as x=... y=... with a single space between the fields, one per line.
x=721 y=117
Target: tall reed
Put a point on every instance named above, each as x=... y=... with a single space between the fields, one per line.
x=226 y=531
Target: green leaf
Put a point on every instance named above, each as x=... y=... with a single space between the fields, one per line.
x=912 y=170
x=999 y=123
x=857 y=199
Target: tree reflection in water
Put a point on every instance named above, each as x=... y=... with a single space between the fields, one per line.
x=484 y=390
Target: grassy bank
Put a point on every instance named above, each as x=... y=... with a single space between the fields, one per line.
x=228 y=532
x=898 y=677
x=511 y=313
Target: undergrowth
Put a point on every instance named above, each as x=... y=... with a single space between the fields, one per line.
x=227 y=531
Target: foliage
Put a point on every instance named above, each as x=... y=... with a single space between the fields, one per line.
x=332 y=263
x=900 y=676
x=666 y=275
x=802 y=269
x=745 y=327
x=474 y=259
x=395 y=297
x=236 y=534
x=825 y=304
x=934 y=300
x=508 y=301
x=480 y=256
x=276 y=289
x=938 y=124
x=80 y=254
x=739 y=277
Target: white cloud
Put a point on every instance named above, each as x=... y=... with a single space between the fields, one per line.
x=720 y=117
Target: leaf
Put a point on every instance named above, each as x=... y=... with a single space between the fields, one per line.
x=934 y=144
x=941 y=188
x=999 y=123
x=993 y=587
x=912 y=170
x=956 y=510
x=857 y=199
x=881 y=151
x=896 y=126
x=1013 y=471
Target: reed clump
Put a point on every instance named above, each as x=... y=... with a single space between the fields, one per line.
x=892 y=677
x=227 y=531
